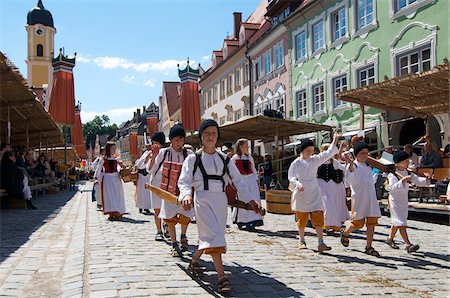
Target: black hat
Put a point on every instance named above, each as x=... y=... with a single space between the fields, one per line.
x=358 y=146
x=177 y=131
x=305 y=143
x=400 y=156
x=205 y=124
x=159 y=137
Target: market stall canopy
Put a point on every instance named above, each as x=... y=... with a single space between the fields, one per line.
x=57 y=154
x=418 y=94
x=260 y=128
x=25 y=111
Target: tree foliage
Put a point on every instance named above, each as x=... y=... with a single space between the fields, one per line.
x=100 y=125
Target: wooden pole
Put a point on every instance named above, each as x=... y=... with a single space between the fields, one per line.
x=28 y=133
x=46 y=148
x=40 y=143
x=427 y=125
x=277 y=153
x=361 y=117
x=8 y=137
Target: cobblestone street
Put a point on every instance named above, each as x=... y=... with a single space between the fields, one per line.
x=67 y=248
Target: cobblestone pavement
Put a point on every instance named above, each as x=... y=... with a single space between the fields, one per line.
x=67 y=248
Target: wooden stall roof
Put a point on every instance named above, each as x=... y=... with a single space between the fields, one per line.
x=418 y=94
x=261 y=128
x=24 y=107
x=58 y=154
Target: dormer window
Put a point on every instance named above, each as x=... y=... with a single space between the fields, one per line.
x=225 y=52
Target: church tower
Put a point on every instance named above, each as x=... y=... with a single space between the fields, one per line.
x=40 y=44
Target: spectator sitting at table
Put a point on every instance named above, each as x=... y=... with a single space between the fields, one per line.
x=413 y=158
x=430 y=158
x=20 y=159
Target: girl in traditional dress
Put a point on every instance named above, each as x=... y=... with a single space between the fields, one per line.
x=111 y=188
x=143 y=195
x=208 y=172
x=155 y=170
x=331 y=182
x=398 y=199
x=306 y=196
x=173 y=214
x=365 y=207
x=246 y=166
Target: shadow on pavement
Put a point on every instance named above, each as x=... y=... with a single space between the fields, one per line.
x=245 y=281
x=16 y=226
x=417 y=261
x=354 y=259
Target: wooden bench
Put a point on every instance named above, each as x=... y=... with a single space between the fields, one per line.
x=41 y=187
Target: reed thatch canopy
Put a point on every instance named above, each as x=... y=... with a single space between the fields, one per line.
x=418 y=94
x=260 y=128
x=31 y=124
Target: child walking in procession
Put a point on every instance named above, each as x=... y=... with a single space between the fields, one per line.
x=96 y=189
x=365 y=207
x=111 y=188
x=246 y=166
x=331 y=182
x=208 y=172
x=306 y=195
x=158 y=141
x=398 y=199
x=143 y=196
x=173 y=214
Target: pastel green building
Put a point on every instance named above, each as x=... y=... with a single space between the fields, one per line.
x=341 y=45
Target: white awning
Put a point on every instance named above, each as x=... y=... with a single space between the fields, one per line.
x=356 y=132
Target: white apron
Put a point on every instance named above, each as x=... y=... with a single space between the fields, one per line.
x=304 y=173
x=143 y=195
x=334 y=200
x=241 y=216
x=398 y=197
x=113 y=199
x=364 y=198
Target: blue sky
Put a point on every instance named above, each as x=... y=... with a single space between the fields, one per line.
x=126 y=48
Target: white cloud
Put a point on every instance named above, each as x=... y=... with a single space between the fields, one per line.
x=150 y=83
x=165 y=67
x=132 y=80
x=83 y=59
x=206 y=58
x=115 y=116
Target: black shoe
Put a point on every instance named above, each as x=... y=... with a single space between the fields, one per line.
x=147 y=211
x=30 y=205
x=140 y=210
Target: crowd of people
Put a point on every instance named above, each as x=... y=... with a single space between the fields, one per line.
x=20 y=170
x=318 y=181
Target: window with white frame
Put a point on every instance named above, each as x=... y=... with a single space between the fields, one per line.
x=366 y=76
x=230 y=114
x=275 y=21
x=301 y=103
x=399 y=4
x=258 y=70
x=222 y=89
x=339 y=23
x=318 y=92
x=230 y=84
x=300 y=45
x=246 y=109
x=268 y=62
x=237 y=115
x=318 y=36
x=339 y=85
x=237 y=78
x=247 y=72
x=418 y=60
x=222 y=120
x=280 y=103
x=216 y=93
x=279 y=55
x=365 y=13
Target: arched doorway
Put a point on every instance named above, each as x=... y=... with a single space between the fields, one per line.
x=413 y=129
